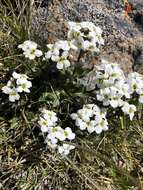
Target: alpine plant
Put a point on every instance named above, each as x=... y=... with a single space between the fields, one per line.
x=91 y=118
x=57 y=138
x=30 y=50
x=113 y=89
x=17 y=84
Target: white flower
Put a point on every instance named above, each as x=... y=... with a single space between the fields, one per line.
x=22 y=76
x=81 y=124
x=116 y=102
x=16 y=75
x=22 y=82
x=88 y=25
x=51 y=144
x=6 y=90
x=65 y=149
x=91 y=118
x=32 y=53
x=141 y=98
x=24 y=87
x=30 y=49
x=135 y=81
x=65 y=45
x=27 y=44
x=109 y=73
x=59 y=52
x=102 y=126
x=61 y=134
x=13 y=95
x=45 y=124
x=17 y=83
x=50 y=115
x=74 y=32
x=62 y=61
x=69 y=134
x=112 y=85
x=56 y=132
x=129 y=109
x=99 y=117
x=85 y=35
x=56 y=135
x=85 y=114
x=52 y=53
x=10 y=83
x=74 y=116
x=91 y=126
x=125 y=90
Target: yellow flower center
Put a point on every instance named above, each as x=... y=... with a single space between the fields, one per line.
x=33 y=51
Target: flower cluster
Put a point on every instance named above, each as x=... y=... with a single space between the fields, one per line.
x=129 y=109
x=115 y=89
x=18 y=83
x=56 y=135
x=112 y=87
x=91 y=118
x=85 y=36
x=111 y=84
x=59 y=53
x=135 y=81
x=30 y=50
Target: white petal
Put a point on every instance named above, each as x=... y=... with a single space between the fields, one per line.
x=16 y=75
x=66 y=63
x=38 y=53
x=6 y=90
x=31 y=56
x=141 y=99
x=90 y=129
x=44 y=129
x=60 y=149
x=12 y=99
x=98 y=129
x=19 y=89
x=50 y=46
x=74 y=116
x=48 y=55
x=27 y=90
x=114 y=103
x=82 y=126
x=55 y=58
x=131 y=116
x=71 y=136
x=105 y=128
x=59 y=65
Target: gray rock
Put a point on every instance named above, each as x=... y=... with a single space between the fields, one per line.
x=136 y=2
x=108 y=14
x=138 y=59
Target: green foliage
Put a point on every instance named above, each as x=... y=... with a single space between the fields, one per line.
x=16 y=17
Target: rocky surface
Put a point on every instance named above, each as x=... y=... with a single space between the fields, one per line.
x=123 y=33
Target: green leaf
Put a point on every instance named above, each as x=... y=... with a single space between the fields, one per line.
x=14 y=122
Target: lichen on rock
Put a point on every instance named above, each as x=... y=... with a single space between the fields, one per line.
x=121 y=34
